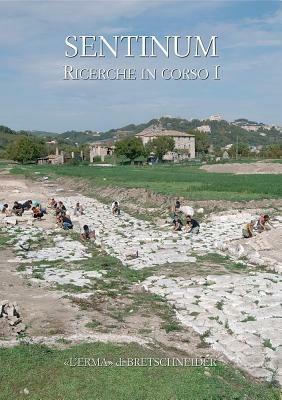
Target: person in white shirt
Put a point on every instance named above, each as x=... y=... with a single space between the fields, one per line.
x=78 y=210
x=4 y=208
x=115 y=208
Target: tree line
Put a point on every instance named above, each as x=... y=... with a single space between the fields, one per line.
x=26 y=148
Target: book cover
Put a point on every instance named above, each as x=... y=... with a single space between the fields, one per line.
x=140 y=200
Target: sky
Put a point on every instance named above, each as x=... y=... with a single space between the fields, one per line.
x=34 y=95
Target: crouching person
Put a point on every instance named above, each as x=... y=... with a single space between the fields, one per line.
x=66 y=222
x=18 y=209
x=248 y=229
x=4 y=209
x=192 y=226
x=37 y=213
x=78 y=210
x=52 y=203
x=176 y=208
x=177 y=224
x=263 y=223
x=27 y=205
x=87 y=234
x=115 y=208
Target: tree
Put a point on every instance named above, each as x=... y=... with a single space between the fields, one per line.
x=272 y=151
x=26 y=148
x=202 y=142
x=160 y=146
x=131 y=147
x=243 y=150
x=5 y=129
x=218 y=152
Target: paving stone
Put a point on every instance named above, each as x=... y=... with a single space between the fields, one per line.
x=241 y=342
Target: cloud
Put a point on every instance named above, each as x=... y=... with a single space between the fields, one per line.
x=22 y=21
x=53 y=12
x=253 y=32
x=269 y=19
x=32 y=62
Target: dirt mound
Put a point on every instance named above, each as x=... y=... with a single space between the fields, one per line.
x=252 y=168
x=142 y=202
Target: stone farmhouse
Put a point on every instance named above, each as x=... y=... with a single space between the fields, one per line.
x=60 y=158
x=101 y=149
x=54 y=159
x=184 y=142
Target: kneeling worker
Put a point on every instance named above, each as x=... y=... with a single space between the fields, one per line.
x=87 y=234
x=248 y=229
x=66 y=222
x=192 y=226
x=115 y=208
x=37 y=213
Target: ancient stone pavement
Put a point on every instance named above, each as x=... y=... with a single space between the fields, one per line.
x=237 y=314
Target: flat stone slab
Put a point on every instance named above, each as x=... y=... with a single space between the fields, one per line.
x=245 y=331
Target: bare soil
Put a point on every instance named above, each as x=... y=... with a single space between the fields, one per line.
x=40 y=309
x=250 y=168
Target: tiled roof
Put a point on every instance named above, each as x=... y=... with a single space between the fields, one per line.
x=105 y=143
x=153 y=131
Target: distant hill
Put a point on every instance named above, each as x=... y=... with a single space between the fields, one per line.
x=222 y=133
x=244 y=121
x=80 y=137
x=69 y=137
x=43 y=134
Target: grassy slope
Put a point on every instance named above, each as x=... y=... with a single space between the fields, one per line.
x=42 y=371
x=186 y=181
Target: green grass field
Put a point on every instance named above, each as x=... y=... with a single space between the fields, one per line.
x=187 y=181
x=42 y=372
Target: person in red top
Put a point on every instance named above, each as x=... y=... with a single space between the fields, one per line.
x=263 y=223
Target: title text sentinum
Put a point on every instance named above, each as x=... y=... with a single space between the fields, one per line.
x=140 y=46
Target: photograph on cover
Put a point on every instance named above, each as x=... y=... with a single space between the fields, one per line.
x=140 y=200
